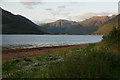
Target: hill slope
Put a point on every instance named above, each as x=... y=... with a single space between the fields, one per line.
x=62 y=26
x=108 y=26
x=96 y=21
x=87 y=26
x=17 y=24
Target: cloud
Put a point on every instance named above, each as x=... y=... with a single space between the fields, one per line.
x=62 y=6
x=49 y=9
x=9 y=1
x=45 y=21
x=65 y=13
x=89 y=15
x=31 y=3
x=74 y=2
x=55 y=13
x=31 y=0
x=29 y=7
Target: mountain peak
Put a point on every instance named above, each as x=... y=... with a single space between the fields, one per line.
x=17 y=24
x=96 y=20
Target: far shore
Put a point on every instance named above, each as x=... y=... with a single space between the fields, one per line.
x=10 y=54
x=48 y=34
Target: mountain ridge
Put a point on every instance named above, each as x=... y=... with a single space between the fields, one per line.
x=87 y=26
x=96 y=21
x=108 y=26
x=17 y=24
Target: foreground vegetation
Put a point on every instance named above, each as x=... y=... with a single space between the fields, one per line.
x=98 y=60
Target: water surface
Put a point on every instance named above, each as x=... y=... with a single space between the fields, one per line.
x=30 y=41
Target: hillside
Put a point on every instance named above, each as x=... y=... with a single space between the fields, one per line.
x=96 y=21
x=108 y=26
x=59 y=26
x=66 y=27
x=87 y=26
x=17 y=24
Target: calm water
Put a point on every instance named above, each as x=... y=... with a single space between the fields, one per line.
x=29 y=41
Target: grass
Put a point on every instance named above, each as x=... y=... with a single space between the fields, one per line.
x=30 y=66
x=67 y=63
x=88 y=63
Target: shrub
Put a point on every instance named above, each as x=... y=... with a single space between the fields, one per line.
x=27 y=59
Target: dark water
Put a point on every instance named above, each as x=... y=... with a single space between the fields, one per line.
x=29 y=41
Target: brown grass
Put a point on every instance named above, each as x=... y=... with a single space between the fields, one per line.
x=19 y=53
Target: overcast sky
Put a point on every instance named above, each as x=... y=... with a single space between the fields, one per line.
x=40 y=11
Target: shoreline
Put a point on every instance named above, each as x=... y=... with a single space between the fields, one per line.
x=10 y=54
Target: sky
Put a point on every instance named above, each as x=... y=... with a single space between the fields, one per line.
x=45 y=11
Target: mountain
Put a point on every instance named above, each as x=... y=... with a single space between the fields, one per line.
x=108 y=26
x=63 y=23
x=87 y=26
x=60 y=26
x=65 y=27
x=17 y=24
x=96 y=21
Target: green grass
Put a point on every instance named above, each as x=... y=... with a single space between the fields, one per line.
x=88 y=63
x=31 y=66
x=68 y=63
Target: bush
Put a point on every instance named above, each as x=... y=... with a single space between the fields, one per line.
x=114 y=36
x=27 y=59
x=88 y=64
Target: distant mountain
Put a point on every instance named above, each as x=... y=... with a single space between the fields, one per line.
x=60 y=26
x=63 y=23
x=108 y=26
x=17 y=24
x=65 y=27
x=87 y=26
x=96 y=21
